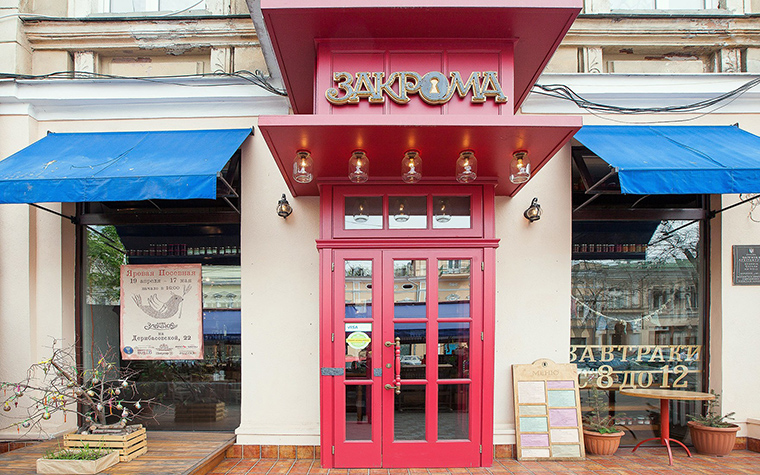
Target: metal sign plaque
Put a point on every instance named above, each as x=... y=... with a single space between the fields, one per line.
x=746 y=265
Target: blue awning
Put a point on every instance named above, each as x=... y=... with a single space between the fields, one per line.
x=678 y=159
x=119 y=166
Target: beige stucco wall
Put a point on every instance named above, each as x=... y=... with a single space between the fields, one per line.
x=280 y=315
x=532 y=283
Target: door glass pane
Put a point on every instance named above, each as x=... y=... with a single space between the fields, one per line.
x=454 y=288
x=358 y=350
x=363 y=212
x=451 y=212
x=359 y=412
x=409 y=288
x=413 y=349
x=409 y=413
x=407 y=212
x=358 y=283
x=453 y=411
x=453 y=350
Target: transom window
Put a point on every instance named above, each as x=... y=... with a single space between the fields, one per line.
x=385 y=212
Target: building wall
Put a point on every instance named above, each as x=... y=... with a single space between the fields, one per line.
x=532 y=283
x=280 y=314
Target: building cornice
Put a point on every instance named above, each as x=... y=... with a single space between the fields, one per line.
x=647 y=91
x=143 y=33
x=109 y=99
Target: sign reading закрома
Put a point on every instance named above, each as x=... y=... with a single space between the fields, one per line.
x=433 y=87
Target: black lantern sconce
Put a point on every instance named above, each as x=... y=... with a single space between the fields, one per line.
x=283 y=207
x=533 y=213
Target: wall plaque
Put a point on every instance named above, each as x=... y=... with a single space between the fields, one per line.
x=746 y=265
x=547 y=411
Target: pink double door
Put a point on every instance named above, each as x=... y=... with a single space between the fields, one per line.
x=403 y=360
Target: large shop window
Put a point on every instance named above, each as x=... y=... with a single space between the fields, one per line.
x=199 y=394
x=638 y=306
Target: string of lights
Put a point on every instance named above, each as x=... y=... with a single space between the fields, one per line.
x=561 y=91
x=257 y=78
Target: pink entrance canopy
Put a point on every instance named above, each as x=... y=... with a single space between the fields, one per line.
x=537 y=26
x=511 y=39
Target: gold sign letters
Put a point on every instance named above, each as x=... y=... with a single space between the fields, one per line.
x=638 y=366
x=434 y=87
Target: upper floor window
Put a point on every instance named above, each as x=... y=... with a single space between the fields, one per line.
x=663 y=4
x=130 y=6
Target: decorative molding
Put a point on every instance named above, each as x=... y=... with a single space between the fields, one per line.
x=143 y=33
x=731 y=60
x=592 y=60
x=673 y=32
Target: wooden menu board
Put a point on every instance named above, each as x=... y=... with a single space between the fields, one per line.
x=547 y=411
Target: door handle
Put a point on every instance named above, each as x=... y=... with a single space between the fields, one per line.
x=396 y=364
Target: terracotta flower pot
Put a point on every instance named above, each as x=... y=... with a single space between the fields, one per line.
x=601 y=444
x=713 y=440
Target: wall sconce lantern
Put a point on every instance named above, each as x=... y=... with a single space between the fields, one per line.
x=411 y=166
x=519 y=168
x=303 y=166
x=467 y=167
x=358 y=167
x=533 y=213
x=283 y=207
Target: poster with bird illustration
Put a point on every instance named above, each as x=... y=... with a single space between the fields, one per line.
x=161 y=312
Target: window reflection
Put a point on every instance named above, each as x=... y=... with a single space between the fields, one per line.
x=636 y=315
x=454 y=288
x=451 y=212
x=410 y=288
x=358 y=283
x=190 y=394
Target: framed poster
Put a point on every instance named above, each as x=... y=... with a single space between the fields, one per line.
x=161 y=312
x=547 y=411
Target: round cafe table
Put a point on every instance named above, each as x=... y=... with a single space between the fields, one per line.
x=666 y=395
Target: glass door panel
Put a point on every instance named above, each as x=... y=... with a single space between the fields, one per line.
x=404 y=339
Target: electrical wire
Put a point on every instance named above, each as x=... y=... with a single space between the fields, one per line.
x=561 y=91
x=256 y=78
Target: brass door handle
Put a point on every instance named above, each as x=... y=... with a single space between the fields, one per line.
x=396 y=388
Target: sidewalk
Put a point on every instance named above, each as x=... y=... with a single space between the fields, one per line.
x=653 y=461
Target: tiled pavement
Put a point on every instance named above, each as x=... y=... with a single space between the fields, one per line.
x=643 y=462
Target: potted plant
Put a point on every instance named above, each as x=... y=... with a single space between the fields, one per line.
x=710 y=433
x=84 y=461
x=600 y=434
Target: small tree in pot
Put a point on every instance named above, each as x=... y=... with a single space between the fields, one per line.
x=711 y=433
x=600 y=434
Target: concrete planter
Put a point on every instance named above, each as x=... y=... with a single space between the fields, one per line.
x=713 y=440
x=601 y=444
x=77 y=467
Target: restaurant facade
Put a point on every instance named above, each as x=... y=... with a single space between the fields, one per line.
x=378 y=249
